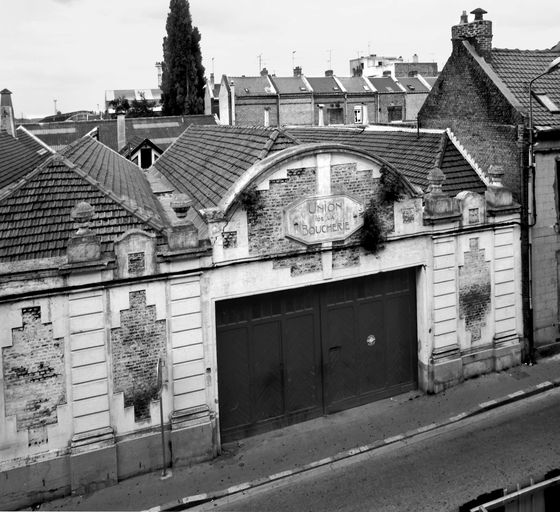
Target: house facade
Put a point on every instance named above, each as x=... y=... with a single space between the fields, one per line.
x=226 y=279
x=483 y=94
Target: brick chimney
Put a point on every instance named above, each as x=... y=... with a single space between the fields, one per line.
x=478 y=32
x=264 y=72
x=7 y=122
x=329 y=72
x=297 y=71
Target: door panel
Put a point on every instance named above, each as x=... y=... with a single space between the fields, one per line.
x=233 y=361
x=303 y=377
x=267 y=375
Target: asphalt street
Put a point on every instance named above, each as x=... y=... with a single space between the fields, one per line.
x=437 y=471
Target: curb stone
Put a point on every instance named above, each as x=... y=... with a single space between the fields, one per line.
x=199 y=499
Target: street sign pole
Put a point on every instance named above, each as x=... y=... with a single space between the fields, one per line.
x=160 y=393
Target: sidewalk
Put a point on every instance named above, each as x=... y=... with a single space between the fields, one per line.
x=280 y=453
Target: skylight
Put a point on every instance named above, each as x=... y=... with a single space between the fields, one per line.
x=547 y=103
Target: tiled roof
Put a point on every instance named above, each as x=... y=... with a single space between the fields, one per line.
x=355 y=84
x=411 y=153
x=413 y=84
x=290 y=85
x=115 y=174
x=430 y=79
x=206 y=160
x=161 y=130
x=18 y=157
x=385 y=84
x=324 y=85
x=35 y=217
x=517 y=67
x=252 y=86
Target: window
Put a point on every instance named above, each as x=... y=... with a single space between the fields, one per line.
x=266 y=116
x=394 y=113
x=145 y=157
x=335 y=116
x=547 y=103
x=358 y=114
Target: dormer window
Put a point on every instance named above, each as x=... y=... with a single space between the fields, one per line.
x=302 y=88
x=547 y=103
x=411 y=87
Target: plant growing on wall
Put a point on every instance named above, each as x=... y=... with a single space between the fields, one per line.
x=374 y=230
x=390 y=187
x=251 y=201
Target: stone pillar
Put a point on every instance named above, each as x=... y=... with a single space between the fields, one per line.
x=93 y=454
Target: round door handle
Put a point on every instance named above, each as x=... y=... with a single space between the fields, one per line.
x=370 y=340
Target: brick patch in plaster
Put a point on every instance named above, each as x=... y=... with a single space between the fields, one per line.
x=136 y=263
x=229 y=239
x=345 y=257
x=137 y=345
x=34 y=375
x=302 y=264
x=474 y=289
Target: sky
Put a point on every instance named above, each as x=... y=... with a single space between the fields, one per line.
x=72 y=51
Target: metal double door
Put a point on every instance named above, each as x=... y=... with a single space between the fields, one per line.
x=289 y=356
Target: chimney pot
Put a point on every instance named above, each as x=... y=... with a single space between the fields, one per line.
x=297 y=71
x=329 y=72
x=464 y=18
x=479 y=14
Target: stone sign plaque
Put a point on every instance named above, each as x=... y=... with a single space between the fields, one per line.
x=319 y=219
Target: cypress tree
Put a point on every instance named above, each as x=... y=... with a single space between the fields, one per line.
x=182 y=81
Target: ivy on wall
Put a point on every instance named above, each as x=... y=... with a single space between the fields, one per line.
x=374 y=231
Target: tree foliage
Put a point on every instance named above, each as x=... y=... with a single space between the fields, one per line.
x=120 y=104
x=182 y=81
x=141 y=107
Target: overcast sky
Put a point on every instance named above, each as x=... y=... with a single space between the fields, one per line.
x=73 y=50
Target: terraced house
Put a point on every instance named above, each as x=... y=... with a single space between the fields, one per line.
x=504 y=105
x=275 y=275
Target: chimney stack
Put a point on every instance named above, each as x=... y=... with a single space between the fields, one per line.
x=7 y=121
x=264 y=72
x=159 y=67
x=297 y=71
x=415 y=58
x=478 y=32
x=329 y=72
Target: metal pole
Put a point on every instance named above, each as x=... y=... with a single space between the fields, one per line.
x=160 y=392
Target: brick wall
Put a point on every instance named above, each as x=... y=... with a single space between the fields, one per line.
x=466 y=100
x=474 y=290
x=137 y=345
x=250 y=112
x=297 y=111
x=388 y=100
x=34 y=375
x=265 y=227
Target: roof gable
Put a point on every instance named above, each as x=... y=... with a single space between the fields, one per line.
x=35 y=216
x=116 y=174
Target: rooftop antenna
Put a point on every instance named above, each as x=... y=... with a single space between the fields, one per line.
x=55 y=111
x=212 y=65
x=369 y=48
x=330 y=59
x=293 y=58
x=259 y=56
